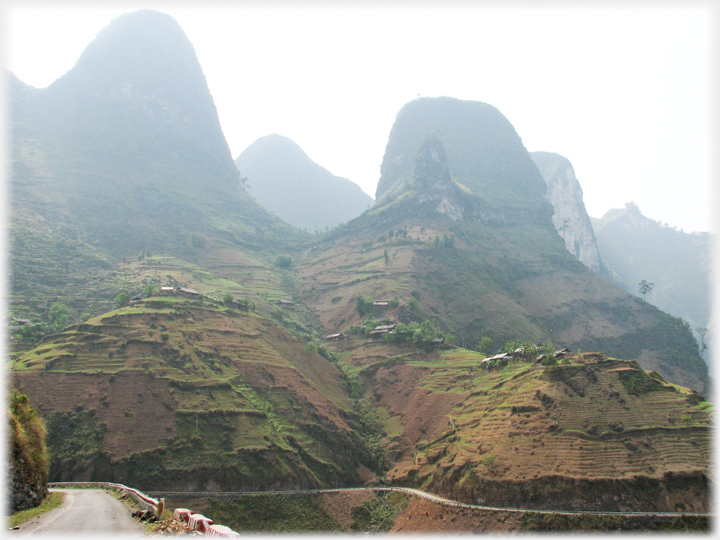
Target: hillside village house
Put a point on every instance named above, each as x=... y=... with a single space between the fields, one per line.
x=383 y=329
x=190 y=293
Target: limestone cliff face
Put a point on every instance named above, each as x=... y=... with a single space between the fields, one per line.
x=570 y=218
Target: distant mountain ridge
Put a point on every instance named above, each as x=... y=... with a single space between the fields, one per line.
x=287 y=182
x=678 y=264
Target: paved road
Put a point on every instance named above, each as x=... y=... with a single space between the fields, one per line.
x=87 y=512
x=437 y=499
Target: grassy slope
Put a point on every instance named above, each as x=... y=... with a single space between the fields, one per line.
x=51 y=501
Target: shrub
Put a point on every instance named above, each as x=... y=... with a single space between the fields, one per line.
x=364 y=305
x=59 y=315
x=284 y=261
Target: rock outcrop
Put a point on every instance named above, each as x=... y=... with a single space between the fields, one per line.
x=27 y=472
x=570 y=219
x=433 y=179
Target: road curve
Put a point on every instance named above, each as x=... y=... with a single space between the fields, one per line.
x=440 y=500
x=86 y=512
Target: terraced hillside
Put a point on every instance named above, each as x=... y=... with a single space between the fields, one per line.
x=589 y=433
x=507 y=281
x=174 y=393
x=192 y=394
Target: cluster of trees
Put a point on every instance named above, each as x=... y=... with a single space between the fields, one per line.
x=394 y=234
x=447 y=241
x=418 y=333
x=58 y=317
x=284 y=261
x=241 y=303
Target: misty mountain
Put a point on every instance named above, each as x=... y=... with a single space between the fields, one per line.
x=139 y=88
x=133 y=143
x=570 y=218
x=123 y=155
x=679 y=264
x=121 y=180
x=484 y=153
x=288 y=183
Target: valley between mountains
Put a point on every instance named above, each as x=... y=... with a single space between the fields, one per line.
x=176 y=335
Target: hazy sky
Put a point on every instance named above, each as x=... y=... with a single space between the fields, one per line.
x=623 y=90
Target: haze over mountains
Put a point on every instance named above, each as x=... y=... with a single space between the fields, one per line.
x=233 y=386
x=678 y=264
x=288 y=183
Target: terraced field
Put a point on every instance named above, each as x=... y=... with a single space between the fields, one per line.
x=191 y=393
x=452 y=426
x=180 y=378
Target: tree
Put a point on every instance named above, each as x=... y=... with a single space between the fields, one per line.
x=122 y=299
x=387 y=258
x=702 y=332
x=484 y=344
x=59 y=315
x=645 y=288
x=150 y=290
x=364 y=304
x=227 y=298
